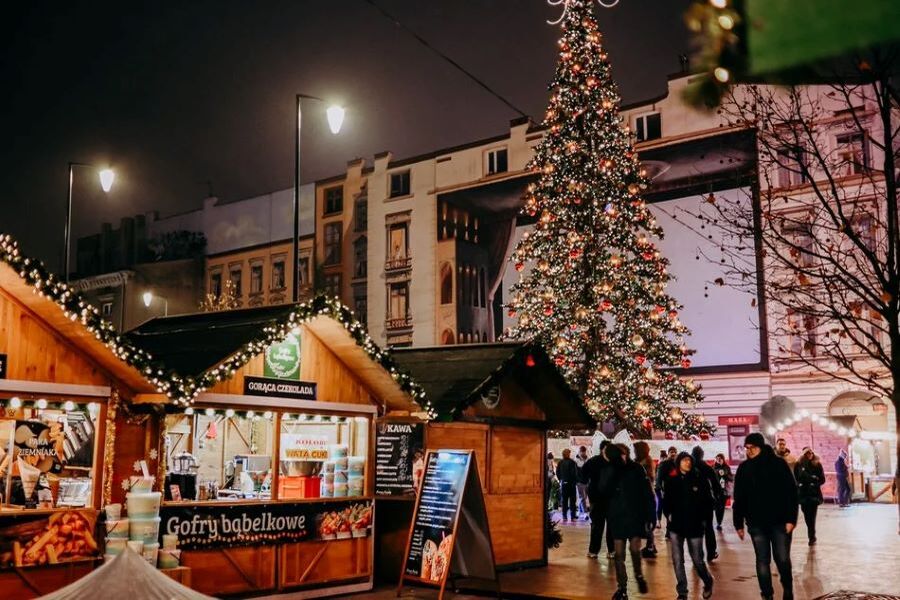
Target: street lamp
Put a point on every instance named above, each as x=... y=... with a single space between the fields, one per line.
x=148 y=300
x=335 y=116
x=107 y=177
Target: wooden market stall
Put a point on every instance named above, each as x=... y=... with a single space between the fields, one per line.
x=63 y=375
x=275 y=452
x=498 y=400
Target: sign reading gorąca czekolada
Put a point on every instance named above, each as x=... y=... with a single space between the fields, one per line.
x=279 y=388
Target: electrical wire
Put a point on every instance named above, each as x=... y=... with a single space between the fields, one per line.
x=446 y=58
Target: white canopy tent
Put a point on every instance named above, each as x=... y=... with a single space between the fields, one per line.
x=127 y=576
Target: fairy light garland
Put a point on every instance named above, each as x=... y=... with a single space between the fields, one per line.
x=182 y=391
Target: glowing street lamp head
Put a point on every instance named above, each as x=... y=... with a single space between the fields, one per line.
x=335 y=116
x=107 y=177
x=148 y=298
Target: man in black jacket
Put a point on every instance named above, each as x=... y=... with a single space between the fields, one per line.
x=765 y=498
x=596 y=471
x=707 y=473
x=665 y=467
x=567 y=473
x=687 y=504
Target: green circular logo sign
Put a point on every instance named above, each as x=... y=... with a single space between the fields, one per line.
x=283 y=359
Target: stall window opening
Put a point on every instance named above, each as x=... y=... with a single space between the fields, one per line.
x=47 y=454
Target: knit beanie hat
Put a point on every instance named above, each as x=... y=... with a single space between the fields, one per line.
x=755 y=439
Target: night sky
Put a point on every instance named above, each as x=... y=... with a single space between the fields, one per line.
x=183 y=97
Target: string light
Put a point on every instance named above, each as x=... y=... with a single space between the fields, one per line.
x=68 y=406
x=15 y=403
x=41 y=403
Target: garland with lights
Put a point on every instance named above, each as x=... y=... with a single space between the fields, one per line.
x=182 y=390
x=595 y=295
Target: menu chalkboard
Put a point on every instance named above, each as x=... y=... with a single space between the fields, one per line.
x=449 y=535
x=434 y=521
x=399 y=457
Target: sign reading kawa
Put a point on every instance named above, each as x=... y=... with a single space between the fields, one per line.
x=282 y=388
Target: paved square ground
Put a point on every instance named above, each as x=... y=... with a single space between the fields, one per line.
x=858 y=549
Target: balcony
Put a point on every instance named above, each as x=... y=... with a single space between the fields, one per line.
x=402 y=263
x=398 y=323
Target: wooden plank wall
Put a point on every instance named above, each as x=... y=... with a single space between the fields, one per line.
x=37 y=353
x=510 y=462
x=335 y=382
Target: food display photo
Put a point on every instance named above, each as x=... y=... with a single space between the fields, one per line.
x=63 y=536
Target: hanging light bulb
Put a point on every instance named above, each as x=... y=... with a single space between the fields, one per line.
x=251 y=414
x=15 y=402
x=229 y=413
x=210 y=412
x=267 y=414
x=189 y=411
x=41 y=403
x=68 y=406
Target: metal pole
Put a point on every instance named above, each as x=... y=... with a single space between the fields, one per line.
x=295 y=296
x=68 y=225
x=166 y=307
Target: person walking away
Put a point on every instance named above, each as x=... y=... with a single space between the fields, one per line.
x=725 y=477
x=567 y=473
x=782 y=450
x=665 y=467
x=551 y=498
x=642 y=457
x=630 y=514
x=810 y=476
x=842 y=470
x=765 y=502
x=596 y=471
x=687 y=504
x=706 y=471
x=581 y=486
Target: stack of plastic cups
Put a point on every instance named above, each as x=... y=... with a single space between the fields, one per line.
x=143 y=518
x=116 y=532
x=326 y=488
x=338 y=455
x=356 y=476
x=169 y=555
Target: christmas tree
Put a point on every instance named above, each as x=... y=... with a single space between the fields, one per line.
x=595 y=293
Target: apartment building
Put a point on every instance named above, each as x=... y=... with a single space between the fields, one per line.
x=341 y=246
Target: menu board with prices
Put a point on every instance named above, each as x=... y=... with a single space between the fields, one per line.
x=399 y=458
x=449 y=536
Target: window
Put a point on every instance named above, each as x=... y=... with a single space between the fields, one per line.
x=399 y=184
x=496 y=161
x=800 y=240
x=397 y=241
x=361 y=214
x=447 y=337
x=333 y=284
x=446 y=283
x=648 y=127
x=278 y=274
x=106 y=309
x=360 y=263
x=215 y=284
x=802 y=330
x=256 y=277
x=361 y=308
x=398 y=306
x=59 y=445
x=333 y=243
x=334 y=200
x=863 y=225
x=303 y=270
x=853 y=153
x=482 y=288
x=234 y=275
x=792 y=167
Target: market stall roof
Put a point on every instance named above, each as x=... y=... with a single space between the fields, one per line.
x=195 y=347
x=64 y=311
x=455 y=377
x=127 y=576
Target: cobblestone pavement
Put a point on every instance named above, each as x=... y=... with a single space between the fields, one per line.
x=858 y=549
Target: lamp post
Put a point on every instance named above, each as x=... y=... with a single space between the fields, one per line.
x=107 y=177
x=335 y=116
x=148 y=300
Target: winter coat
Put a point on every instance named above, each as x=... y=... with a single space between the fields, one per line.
x=707 y=472
x=765 y=493
x=810 y=477
x=687 y=502
x=664 y=469
x=579 y=461
x=642 y=457
x=631 y=501
x=567 y=471
x=725 y=478
x=596 y=472
x=841 y=469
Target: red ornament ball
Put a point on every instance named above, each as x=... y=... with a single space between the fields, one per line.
x=548 y=310
x=560 y=361
x=511 y=313
x=520 y=266
x=640 y=359
x=686 y=363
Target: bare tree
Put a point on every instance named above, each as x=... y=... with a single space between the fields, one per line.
x=824 y=232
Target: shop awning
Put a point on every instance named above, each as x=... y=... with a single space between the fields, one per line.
x=455 y=377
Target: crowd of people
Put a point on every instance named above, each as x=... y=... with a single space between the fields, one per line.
x=627 y=498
